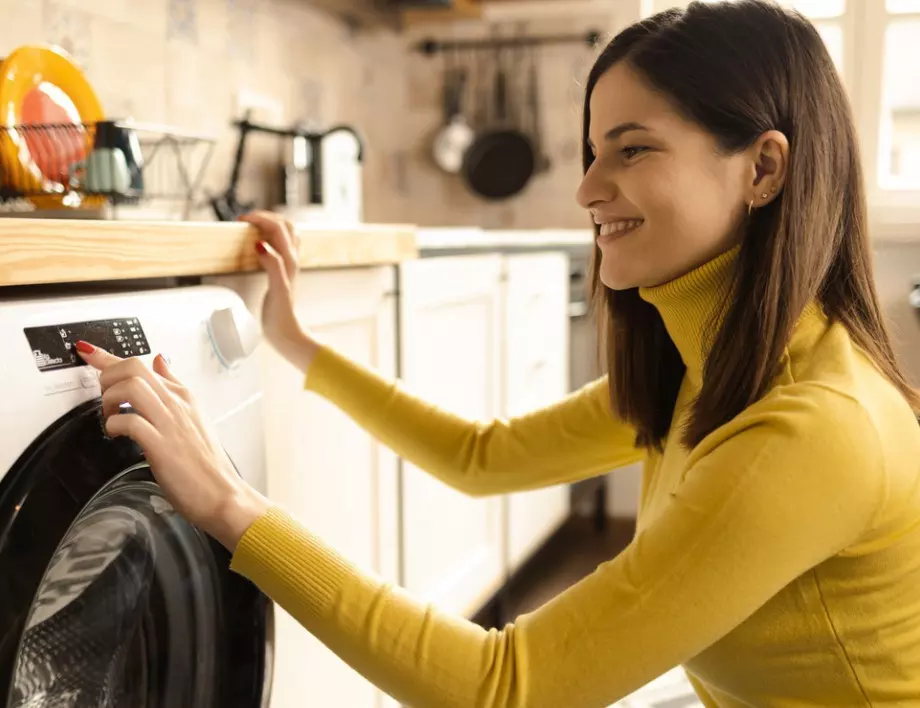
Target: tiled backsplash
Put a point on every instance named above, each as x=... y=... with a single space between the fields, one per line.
x=186 y=63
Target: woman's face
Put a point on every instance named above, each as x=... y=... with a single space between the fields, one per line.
x=666 y=198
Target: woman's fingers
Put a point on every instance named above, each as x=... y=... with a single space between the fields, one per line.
x=114 y=369
x=279 y=235
x=274 y=267
x=137 y=393
x=160 y=381
x=174 y=385
x=131 y=425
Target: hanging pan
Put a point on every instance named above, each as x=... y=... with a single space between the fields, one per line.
x=502 y=159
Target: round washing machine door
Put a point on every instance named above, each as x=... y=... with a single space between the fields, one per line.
x=111 y=599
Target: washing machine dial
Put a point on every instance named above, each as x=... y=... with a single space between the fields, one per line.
x=234 y=335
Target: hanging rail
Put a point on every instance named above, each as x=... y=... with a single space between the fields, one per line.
x=433 y=46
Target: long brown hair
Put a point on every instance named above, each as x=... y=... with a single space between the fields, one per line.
x=739 y=69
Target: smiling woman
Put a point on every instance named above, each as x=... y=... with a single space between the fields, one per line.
x=777 y=554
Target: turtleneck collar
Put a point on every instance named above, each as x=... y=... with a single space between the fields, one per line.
x=689 y=304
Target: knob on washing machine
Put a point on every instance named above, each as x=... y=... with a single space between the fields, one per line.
x=234 y=334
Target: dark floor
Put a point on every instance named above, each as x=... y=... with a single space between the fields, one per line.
x=572 y=553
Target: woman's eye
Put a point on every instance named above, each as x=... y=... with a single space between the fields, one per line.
x=630 y=151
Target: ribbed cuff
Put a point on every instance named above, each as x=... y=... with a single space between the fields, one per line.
x=291 y=565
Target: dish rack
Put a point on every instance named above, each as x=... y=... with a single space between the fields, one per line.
x=88 y=165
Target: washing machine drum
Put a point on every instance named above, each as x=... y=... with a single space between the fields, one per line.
x=109 y=598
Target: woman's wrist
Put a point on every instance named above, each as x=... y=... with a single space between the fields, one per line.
x=239 y=511
x=299 y=349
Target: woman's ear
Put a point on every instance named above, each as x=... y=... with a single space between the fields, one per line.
x=769 y=160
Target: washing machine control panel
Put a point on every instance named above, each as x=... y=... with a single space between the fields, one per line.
x=53 y=346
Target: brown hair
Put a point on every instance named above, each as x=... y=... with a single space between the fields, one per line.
x=739 y=69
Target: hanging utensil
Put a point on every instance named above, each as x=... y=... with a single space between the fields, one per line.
x=501 y=161
x=455 y=136
x=533 y=95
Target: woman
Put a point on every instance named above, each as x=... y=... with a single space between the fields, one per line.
x=777 y=555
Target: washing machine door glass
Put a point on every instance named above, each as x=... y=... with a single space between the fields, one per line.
x=108 y=598
x=129 y=601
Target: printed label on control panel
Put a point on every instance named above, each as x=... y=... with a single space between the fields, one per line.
x=53 y=345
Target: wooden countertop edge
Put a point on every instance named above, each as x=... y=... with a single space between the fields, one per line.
x=45 y=251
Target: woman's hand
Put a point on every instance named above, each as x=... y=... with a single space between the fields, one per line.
x=278 y=252
x=185 y=456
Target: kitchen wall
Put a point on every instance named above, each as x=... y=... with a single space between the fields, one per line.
x=195 y=63
x=403 y=182
x=188 y=62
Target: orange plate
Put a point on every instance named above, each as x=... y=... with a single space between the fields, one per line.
x=41 y=87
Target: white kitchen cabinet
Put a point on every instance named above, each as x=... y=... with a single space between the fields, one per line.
x=325 y=470
x=535 y=374
x=451 y=327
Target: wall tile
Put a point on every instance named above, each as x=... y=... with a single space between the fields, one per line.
x=69 y=29
x=122 y=49
x=22 y=24
x=183 y=20
x=150 y=15
x=243 y=26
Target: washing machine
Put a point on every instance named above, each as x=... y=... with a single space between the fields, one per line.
x=108 y=598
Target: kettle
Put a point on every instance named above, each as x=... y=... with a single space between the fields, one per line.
x=322 y=176
x=322 y=180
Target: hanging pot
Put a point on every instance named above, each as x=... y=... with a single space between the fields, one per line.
x=455 y=137
x=501 y=160
x=533 y=98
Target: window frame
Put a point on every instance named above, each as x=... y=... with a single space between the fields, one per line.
x=864 y=24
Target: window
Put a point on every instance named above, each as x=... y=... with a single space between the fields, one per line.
x=875 y=45
x=899 y=129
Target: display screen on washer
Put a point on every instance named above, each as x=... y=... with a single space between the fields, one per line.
x=53 y=345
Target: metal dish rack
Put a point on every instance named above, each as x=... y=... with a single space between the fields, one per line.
x=44 y=166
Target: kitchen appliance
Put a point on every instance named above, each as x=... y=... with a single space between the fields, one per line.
x=333 y=158
x=588 y=497
x=109 y=598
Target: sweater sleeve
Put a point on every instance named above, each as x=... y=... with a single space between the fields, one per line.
x=794 y=483
x=573 y=439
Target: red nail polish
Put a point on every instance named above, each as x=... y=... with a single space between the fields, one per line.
x=85 y=347
x=260 y=247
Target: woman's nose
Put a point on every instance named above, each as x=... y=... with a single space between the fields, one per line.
x=594 y=188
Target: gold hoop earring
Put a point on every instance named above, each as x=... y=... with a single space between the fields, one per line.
x=750 y=207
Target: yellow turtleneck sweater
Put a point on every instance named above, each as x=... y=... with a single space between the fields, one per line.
x=778 y=561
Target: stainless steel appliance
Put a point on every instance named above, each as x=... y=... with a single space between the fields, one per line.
x=589 y=496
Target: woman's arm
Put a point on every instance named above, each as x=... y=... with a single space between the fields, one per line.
x=576 y=438
x=792 y=481
x=796 y=482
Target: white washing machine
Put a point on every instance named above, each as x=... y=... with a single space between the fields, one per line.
x=109 y=599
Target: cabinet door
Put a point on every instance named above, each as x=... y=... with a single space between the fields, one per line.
x=536 y=367
x=451 y=333
x=325 y=470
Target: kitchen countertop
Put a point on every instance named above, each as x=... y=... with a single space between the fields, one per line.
x=444 y=241
x=44 y=251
